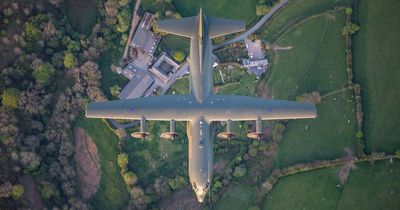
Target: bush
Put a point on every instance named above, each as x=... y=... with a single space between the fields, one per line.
x=130 y=178
x=359 y=134
x=262 y=10
x=17 y=191
x=398 y=153
x=123 y=160
x=179 y=56
x=240 y=171
x=177 y=182
x=350 y=28
x=10 y=98
x=115 y=90
x=44 y=73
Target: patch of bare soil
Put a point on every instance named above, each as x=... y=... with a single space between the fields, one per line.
x=345 y=170
x=182 y=200
x=262 y=90
x=31 y=195
x=219 y=166
x=88 y=163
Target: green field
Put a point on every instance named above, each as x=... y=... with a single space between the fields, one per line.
x=295 y=12
x=377 y=61
x=312 y=190
x=174 y=43
x=237 y=196
x=82 y=14
x=368 y=187
x=322 y=138
x=374 y=186
x=315 y=63
x=112 y=192
x=221 y=8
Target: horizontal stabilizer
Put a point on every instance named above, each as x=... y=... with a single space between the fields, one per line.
x=221 y=26
x=181 y=27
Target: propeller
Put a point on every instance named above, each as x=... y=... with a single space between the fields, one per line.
x=142 y=134
x=258 y=134
x=228 y=135
x=171 y=134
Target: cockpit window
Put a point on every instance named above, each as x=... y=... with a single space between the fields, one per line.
x=201 y=145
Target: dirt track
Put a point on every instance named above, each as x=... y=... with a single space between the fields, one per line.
x=88 y=163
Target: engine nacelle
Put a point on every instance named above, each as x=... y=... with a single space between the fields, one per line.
x=142 y=134
x=172 y=133
x=228 y=135
x=258 y=134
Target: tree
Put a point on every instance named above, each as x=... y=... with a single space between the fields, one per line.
x=115 y=90
x=398 y=153
x=44 y=73
x=177 y=182
x=123 y=18
x=240 y=171
x=10 y=98
x=47 y=189
x=69 y=60
x=130 y=178
x=262 y=9
x=359 y=134
x=349 y=11
x=123 y=3
x=8 y=128
x=161 y=187
x=277 y=132
x=179 y=56
x=350 y=28
x=17 y=191
x=123 y=160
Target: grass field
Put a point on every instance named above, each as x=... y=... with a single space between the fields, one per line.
x=372 y=187
x=237 y=196
x=322 y=138
x=368 y=187
x=295 y=12
x=377 y=60
x=112 y=192
x=82 y=14
x=237 y=9
x=109 y=78
x=315 y=63
x=312 y=190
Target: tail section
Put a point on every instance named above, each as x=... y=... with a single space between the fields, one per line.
x=221 y=26
x=191 y=26
x=181 y=27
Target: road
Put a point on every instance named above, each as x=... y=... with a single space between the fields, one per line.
x=254 y=28
x=135 y=21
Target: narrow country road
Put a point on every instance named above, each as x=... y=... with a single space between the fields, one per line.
x=255 y=27
x=135 y=21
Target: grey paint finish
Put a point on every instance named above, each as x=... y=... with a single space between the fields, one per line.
x=201 y=107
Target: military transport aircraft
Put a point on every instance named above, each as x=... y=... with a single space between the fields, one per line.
x=200 y=107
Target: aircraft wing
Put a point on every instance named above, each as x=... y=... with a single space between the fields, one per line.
x=215 y=108
x=181 y=27
x=221 y=26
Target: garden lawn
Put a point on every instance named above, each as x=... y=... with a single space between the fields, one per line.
x=82 y=14
x=310 y=190
x=374 y=186
x=112 y=193
x=109 y=78
x=237 y=196
x=156 y=157
x=376 y=66
x=295 y=12
x=236 y=9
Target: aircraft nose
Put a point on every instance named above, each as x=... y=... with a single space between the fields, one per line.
x=200 y=197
